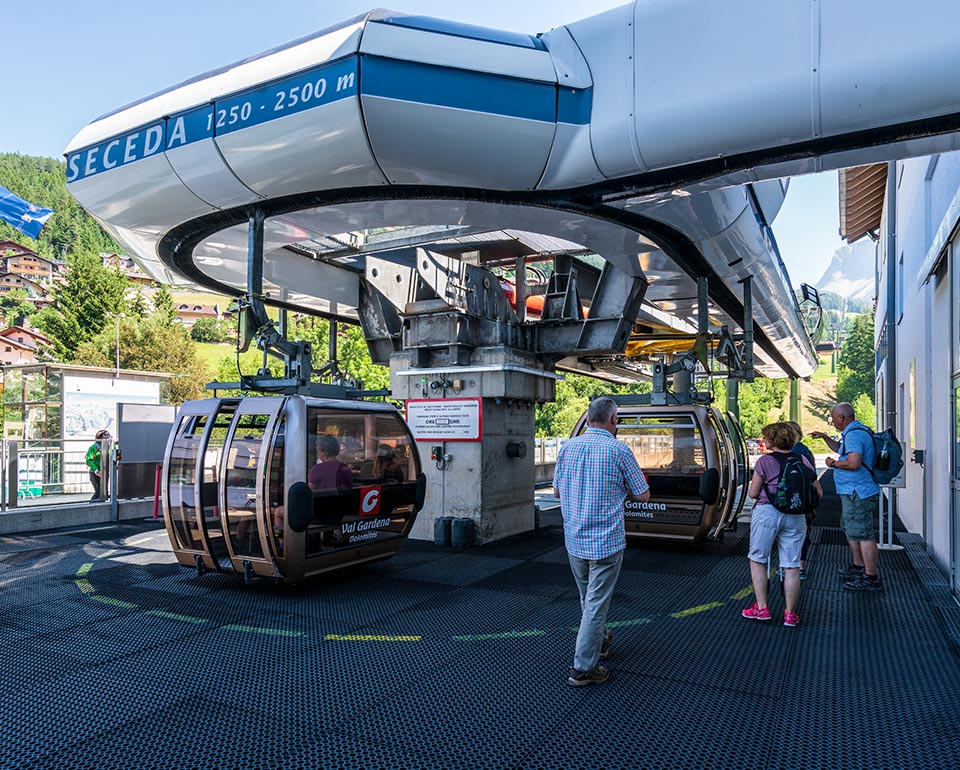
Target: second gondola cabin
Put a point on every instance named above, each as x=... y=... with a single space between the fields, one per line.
x=692 y=459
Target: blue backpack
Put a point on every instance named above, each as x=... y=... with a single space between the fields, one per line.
x=887 y=455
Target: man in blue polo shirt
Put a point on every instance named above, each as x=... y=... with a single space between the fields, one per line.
x=595 y=476
x=859 y=496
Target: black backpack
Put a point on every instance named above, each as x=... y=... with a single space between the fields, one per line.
x=795 y=491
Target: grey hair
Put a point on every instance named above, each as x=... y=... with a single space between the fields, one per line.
x=601 y=410
x=845 y=408
x=329 y=445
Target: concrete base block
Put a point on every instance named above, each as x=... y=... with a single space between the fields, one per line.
x=481 y=481
x=490 y=481
x=37 y=518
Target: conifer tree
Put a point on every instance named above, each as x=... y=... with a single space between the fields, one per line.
x=163 y=309
x=83 y=304
x=857 y=362
x=138 y=305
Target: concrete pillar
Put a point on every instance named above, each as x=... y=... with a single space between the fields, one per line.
x=491 y=480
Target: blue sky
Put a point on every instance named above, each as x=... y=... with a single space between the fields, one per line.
x=808 y=227
x=82 y=58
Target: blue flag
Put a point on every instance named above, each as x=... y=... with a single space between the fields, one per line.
x=23 y=215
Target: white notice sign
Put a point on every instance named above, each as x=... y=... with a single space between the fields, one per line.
x=445 y=419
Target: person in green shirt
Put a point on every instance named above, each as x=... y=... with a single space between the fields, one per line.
x=94 y=464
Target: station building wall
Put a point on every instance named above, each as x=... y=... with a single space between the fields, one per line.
x=927 y=345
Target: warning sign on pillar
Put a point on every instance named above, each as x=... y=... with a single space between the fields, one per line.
x=445 y=419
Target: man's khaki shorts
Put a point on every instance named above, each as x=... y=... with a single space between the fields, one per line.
x=859 y=516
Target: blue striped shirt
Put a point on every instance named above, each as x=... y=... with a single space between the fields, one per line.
x=594 y=472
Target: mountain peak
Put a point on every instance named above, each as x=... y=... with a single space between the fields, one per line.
x=851 y=271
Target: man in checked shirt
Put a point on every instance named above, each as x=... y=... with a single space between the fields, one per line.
x=595 y=476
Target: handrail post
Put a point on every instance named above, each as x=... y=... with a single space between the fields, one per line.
x=13 y=484
x=111 y=478
x=3 y=474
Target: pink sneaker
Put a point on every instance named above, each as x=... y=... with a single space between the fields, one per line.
x=756 y=613
x=790 y=619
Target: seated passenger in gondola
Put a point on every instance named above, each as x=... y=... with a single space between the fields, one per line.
x=387 y=468
x=329 y=472
x=327 y=476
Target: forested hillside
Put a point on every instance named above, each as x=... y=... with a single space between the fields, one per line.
x=92 y=309
x=44 y=181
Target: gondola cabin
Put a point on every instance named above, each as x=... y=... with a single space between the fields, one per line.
x=288 y=487
x=694 y=461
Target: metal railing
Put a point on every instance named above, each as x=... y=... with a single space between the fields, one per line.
x=546 y=449
x=51 y=471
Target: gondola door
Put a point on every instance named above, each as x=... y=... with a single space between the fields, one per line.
x=727 y=467
x=189 y=482
x=743 y=464
x=244 y=481
x=726 y=448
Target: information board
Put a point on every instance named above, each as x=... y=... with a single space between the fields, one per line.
x=445 y=419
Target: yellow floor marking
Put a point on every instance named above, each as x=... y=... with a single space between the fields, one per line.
x=368 y=638
x=85 y=586
x=256 y=630
x=504 y=635
x=175 y=616
x=695 y=610
x=114 y=602
x=623 y=623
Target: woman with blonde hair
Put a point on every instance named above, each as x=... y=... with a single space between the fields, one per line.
x=769 y=525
